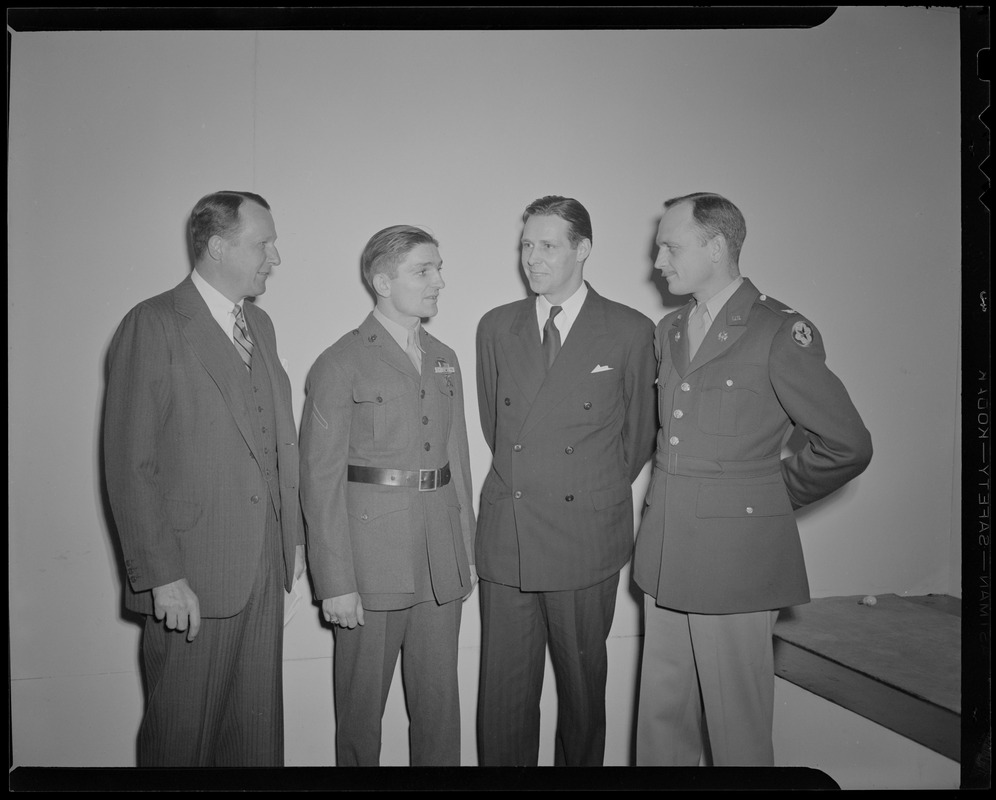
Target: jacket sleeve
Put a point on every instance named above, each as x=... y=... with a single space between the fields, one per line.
x=640 y=424
x=839 y=446
x=458 y=452
x=135 y=414
x=487 y=382
x=325 y=428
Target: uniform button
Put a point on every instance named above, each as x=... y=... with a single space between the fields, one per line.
x=569 y=450
x=364 y=517
x=729 y=382
x=422 y=393
x=678 y=413
x=750 y=510
x=763 y=297
x=516 y=447
x=380 y=399
x=259 y=409
x=264 y=430
x=508 y=402
x=673 y=440
x=425 y=420
x=569 y=498
x=427 y=446
x=517 y=495
x=587 y=406
x=254 y=499
x=685 y=387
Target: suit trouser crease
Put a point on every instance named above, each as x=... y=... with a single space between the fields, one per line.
x=218 y=701
x=426 y=636
x=516 y=628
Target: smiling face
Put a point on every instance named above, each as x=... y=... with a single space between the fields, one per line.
x=689 y=264
x=552 y=264
x=413 y=293
x=242 y=263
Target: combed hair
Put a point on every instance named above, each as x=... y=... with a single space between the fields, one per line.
x=217 y=214
x=715 y=215
x=388 y=248
x=569 y=210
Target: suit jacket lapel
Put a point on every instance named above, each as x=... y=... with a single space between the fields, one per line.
x=522 y=349
x=574 y=361
x=216 y=353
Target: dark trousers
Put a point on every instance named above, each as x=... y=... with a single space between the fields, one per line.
x=218 y=701
x=516 y=628
x=427 y=636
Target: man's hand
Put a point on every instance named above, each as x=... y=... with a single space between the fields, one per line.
x=346 y=610
x=177 y=603
x=299 y=562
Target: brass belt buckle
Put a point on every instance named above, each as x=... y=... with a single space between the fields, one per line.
x=427 y=480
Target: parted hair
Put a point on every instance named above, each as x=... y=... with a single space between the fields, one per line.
x=715 y=215
x=388 y=248
x=217 y=214
x=569 y=210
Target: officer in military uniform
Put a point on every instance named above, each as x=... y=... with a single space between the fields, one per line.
x=386 y=493
x=718 y=550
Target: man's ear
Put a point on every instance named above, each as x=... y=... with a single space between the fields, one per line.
x=216 y=244
x=584 y=249
x=382 y=284
x=717 y=248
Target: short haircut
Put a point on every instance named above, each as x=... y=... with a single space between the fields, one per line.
x=569 y=210
x=388 y=248
x=715 y=215
x=217 y=214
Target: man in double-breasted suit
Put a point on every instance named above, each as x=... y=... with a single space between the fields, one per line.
x=565 y=384
x=200 y=456
x=386 y=491
x=718 y=551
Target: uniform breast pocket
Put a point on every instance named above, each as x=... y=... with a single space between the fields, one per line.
x=731 y=398
x=446 y=384
x=379 y=414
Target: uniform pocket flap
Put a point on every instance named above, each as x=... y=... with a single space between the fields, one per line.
x=377 y=394
x=606 y=498
x=742 y=500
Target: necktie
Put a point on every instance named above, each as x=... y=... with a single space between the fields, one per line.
x=414 y=350
x=551 y=337
x=698 y=324
x=241 y=335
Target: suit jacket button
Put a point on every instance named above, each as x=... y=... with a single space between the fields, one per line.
x=254 y=499
x=569 y=498
x=516 y=447
x=587 y=406
x=517 y=495
x=425 y=420
x=508 y=402
x=569 y=450
x=422 y=393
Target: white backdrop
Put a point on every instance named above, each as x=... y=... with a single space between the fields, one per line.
x=840 y=144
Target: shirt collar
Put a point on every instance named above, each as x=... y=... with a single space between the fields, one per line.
x=571 y=307
x=220 y=306
x=715 y=303
x=398 y=332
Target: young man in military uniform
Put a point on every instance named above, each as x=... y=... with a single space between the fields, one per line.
x=386 y=492
x=718 y=550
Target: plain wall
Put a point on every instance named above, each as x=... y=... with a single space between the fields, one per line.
x=840 y=144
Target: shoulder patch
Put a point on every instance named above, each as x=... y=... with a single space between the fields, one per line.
x=802 y=333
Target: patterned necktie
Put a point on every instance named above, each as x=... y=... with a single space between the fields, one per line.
x=241 y=335
x=414 y=350
x=551 y=337
x=698 y=323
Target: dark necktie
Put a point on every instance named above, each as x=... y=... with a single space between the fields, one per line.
x=241 y=335
x=551 y=337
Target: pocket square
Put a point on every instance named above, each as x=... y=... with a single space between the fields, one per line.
x=600 y=368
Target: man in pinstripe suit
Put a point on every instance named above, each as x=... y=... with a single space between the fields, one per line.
x=200 y=455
